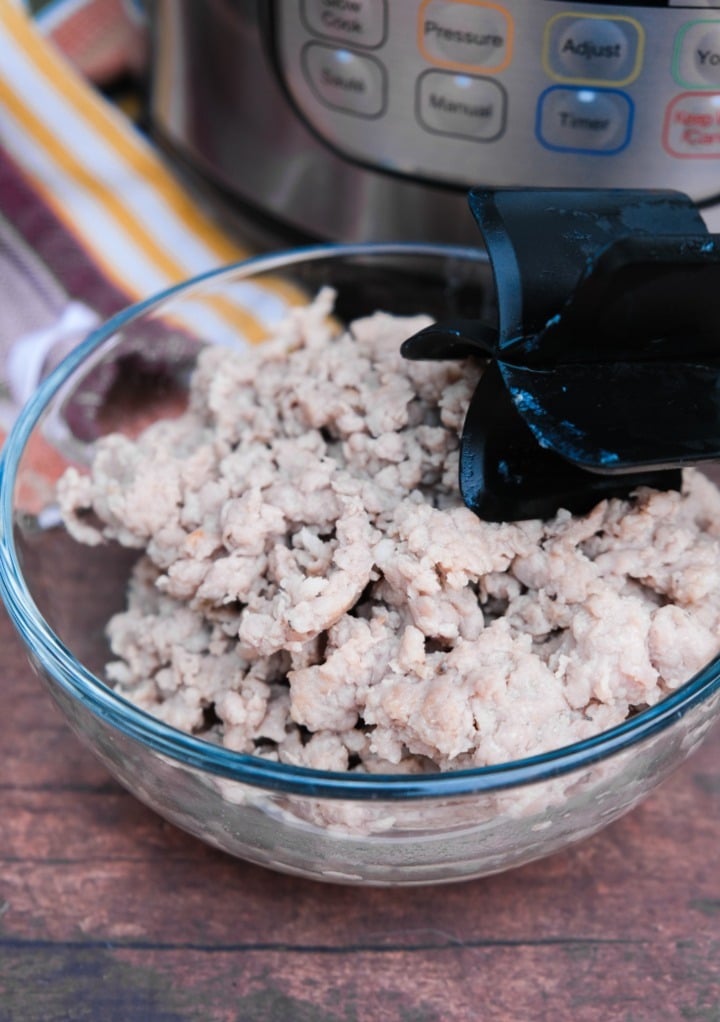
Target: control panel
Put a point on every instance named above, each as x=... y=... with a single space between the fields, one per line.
x=512 y=92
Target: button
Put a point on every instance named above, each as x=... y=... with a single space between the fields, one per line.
x=593 y=50
x=357 y=22
x=692 y=125
x=347 y=81
x=461 y=105
x=697 y=55
x=465 y=34
x=584 y=120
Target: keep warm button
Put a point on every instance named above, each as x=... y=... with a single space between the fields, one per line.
x=692 y=126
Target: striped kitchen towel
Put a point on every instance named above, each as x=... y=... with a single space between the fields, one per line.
x=92 y=217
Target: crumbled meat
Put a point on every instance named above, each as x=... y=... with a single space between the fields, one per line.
x=312 y=589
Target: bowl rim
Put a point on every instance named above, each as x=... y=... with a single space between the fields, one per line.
x=47 y=651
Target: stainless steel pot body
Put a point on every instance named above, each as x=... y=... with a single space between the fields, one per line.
x=369 y=119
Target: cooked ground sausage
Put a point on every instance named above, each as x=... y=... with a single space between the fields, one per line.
x=313 y=590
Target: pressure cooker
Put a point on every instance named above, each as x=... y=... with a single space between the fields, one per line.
x=357 y=120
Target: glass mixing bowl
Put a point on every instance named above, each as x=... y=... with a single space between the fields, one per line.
x=346 y=827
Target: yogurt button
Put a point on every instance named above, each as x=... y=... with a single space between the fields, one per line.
x=706 y=56
x=697 y=60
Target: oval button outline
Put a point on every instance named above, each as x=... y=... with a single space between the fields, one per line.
x=584 y=149
x=453 y=65
x=595 y=82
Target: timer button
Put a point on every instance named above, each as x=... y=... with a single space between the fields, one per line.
x=697 y=55
x=344 y=80
x=356 y=22
x=465 y=34
x=584 y=120
x=593 y=50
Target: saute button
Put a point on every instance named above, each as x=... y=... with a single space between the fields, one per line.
x=345 y=80
x=470 y=34
x=358 y=22
x=584 y=120
x=461 y=105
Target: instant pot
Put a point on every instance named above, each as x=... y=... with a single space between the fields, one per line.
x=356 y=120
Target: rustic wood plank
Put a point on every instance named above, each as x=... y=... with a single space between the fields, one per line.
x=82 y=845
x=107 y=908
x=582 y=981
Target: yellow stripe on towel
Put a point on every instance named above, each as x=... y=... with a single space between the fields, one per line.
x=112 y=191
x=56 y=121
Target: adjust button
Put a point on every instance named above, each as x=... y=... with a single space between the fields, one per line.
x=357 y=22
x=584 y=120
x=461 y=105
x=593 y=50
x=347 y=81
x=465 y=34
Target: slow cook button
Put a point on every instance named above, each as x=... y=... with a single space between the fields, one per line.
x=594 y=49
x=467 y=34
x=347 y=81
x=461 y=105
x=358 y=22
x=584 y=120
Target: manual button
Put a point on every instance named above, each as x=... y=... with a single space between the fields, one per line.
x=347 y=81
x=357 y=22
x=593 y=50
x=465 y=106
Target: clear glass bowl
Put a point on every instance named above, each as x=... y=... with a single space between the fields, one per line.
x=353 y=828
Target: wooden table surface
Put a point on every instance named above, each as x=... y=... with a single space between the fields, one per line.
x=109 y=914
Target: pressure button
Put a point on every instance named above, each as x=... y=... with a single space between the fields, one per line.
x=468 y=35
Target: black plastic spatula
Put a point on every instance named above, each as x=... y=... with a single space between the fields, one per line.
x=604 y=366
